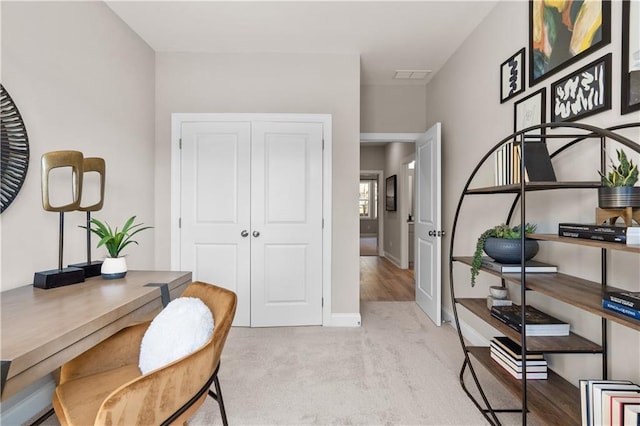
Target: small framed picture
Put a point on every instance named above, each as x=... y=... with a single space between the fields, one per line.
x=390 y=193
x=630 y=79
x=512 y=76
x=530 y=111
x=585 y=92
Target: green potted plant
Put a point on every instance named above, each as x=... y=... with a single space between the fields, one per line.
x=502 y=243
x=114 y=240
x=618 y=190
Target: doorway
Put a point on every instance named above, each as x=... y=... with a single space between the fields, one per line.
x=369 y=207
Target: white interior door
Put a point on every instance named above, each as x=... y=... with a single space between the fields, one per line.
x=215 y=207
x=286 y=224
x=428 y=225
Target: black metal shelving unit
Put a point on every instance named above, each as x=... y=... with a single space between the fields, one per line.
x=558 y=398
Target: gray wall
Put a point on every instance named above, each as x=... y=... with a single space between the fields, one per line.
x=464 y=96
x=84 y=81
x=393 y=109
x=293 y=83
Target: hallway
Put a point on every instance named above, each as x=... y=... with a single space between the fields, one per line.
x=381 y=280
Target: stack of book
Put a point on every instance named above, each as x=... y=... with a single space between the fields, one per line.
x=508 y=354
x=609 y=402
x=611 y=233
x=623 y=302
x=538 y=323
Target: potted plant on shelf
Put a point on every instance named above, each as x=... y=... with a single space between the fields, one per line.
x=114 y=265
x=502 y=243
x=618 y=190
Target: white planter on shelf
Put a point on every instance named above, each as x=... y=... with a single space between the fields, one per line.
x=113 y=268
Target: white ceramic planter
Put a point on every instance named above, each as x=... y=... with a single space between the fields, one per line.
x=113 y=267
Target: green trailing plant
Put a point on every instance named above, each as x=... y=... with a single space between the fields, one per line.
x=499 y=231
x=624 y=174
x=114 y=240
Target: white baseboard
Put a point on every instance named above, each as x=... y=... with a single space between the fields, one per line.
x=345 y=320
x=368 y=235
x=468 y=332
x=392 y=259
x=22 y=407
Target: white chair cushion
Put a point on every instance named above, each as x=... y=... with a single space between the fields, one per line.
x=182 y=327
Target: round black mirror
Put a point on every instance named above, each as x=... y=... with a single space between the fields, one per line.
x=15 y=150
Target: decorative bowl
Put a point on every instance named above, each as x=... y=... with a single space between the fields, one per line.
x=498 y=292
x=505 y=250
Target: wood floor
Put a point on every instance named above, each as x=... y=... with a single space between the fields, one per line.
x=381 y=280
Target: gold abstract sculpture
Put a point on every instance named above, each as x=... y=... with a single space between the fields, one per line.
x=79 y=165
x=56 y=159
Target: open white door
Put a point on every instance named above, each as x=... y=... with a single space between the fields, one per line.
x=428 y=224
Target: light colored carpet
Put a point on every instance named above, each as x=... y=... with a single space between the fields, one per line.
x=397 y=369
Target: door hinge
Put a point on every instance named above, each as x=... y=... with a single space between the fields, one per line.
x=180 y=143
x=323 y=144
x=323 y=302
x=323 y=223
x=179 y=222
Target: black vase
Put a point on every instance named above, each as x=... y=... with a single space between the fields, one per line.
x=618 y=197
x=505 y=250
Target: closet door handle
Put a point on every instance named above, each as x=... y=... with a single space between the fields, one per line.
x=244 y=233
x=256 y=234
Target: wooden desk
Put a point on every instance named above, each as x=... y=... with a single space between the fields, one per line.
x=43 y=329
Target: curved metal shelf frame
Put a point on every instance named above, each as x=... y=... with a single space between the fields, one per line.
x=583 y=132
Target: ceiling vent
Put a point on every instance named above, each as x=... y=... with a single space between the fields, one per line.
x=411 y=74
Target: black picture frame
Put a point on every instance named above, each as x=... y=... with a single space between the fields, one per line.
x=512 y=76
x=528 y=112
x=630 y=71
x=557 y=54
x=390 y=193
x=583 y=93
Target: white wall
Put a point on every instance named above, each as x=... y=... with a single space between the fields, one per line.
x=464 y=96
x=84 y=81
x=271 y=83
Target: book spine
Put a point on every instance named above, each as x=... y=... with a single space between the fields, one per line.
x=506 y=321
x=598 y=229
x=517 y=362
x=586 y=235
x=621 y=309
x=623 y=299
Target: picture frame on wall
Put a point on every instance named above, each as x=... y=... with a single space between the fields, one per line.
x=582 y=93
x=512 y=74
x=630 y=67
x=560 y=33
x=529 y=112
x=390 y=193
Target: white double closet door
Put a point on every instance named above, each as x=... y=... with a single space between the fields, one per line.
x=251 y=216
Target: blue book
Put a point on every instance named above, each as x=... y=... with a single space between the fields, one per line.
x=621 y=309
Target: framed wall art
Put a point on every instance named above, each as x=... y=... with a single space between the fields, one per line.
x=560 y=33
x=512 y=76
x=390 y=193
x=630 y=78
x=528 y=112
x=585 y=92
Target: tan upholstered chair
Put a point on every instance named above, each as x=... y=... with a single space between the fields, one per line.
x=104 y=385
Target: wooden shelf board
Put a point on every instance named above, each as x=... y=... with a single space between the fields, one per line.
x=572 y=290
x=585 y=242
x=556 y=344
x=532 y=186
x=554 y=400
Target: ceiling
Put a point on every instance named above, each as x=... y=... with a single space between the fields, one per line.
x=388 y=35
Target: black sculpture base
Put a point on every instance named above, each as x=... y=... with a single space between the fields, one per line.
x=90 y=269
x=58 y=277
